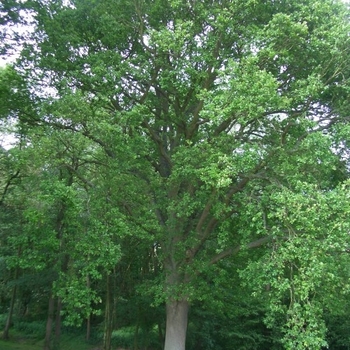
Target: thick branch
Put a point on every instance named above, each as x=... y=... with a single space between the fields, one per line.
x=204 y=214
x=108 y=151
x=88 y=183
x=231 y=251
x=7 y=186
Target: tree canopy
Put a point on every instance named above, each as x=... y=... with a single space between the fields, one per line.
x=210 y=135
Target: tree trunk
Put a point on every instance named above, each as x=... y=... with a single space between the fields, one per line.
x=5 y=335
x=49 y=323
x=136 y=334
x=88 y=328
x=176 y=324
x=88 y=319
x=58 y=324
x=160 y=333
x=108 y=317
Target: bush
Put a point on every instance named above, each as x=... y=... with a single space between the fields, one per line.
x=33 y=329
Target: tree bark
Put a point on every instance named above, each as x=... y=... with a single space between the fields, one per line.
x=136 y=334
x=58 y=323
x=88 y=328
x=49 y=323
x=88 y=319
x=160 y=333
x=108 y=317
x=176 y=324
x=5 y=335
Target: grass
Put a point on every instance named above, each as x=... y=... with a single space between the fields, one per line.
x=14 y=344
x=20 y=342
x=9 y=346
x=30 y=336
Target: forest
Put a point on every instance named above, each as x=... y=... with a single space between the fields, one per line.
x=174 y=174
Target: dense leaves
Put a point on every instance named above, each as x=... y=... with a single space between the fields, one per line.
x=193 y=132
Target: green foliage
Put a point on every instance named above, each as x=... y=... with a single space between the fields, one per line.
x=304 y=284
x=337 y=326
x=32 y=329
x=165 y=136
x=125 y=338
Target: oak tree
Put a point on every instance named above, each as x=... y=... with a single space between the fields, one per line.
x=218 y=120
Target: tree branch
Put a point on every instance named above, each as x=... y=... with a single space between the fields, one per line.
x=231 y=251
x=7 y=186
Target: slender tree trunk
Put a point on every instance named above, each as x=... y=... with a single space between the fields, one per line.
x=9 y=316
x=49 y=323
x=5 y=334
x=88 y=320
x=136 y=334
x=58 y=324
x=176 y=324
x=115 y=298
x=160 y=333
x=108 y=317
x=88 y=328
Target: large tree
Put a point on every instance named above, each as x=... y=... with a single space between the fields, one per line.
x=217 y=119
